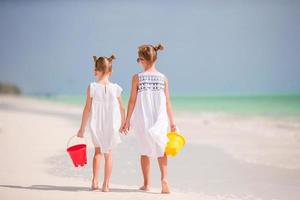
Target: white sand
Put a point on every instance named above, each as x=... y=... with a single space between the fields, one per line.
x=272 y=141
x=34 y=163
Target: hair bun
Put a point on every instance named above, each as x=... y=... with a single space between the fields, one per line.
x=159 y=47
x=95 y=58
x=112 y=57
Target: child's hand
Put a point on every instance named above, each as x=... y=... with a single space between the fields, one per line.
x=80 y=133
x=126 y=127
x=173 y=128
x=121 y=130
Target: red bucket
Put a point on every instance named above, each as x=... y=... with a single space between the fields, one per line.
x=77 y=153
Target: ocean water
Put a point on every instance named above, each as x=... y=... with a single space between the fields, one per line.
x=264 y=105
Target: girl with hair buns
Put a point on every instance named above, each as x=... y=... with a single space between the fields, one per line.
x=106 y=112
x=150 y=113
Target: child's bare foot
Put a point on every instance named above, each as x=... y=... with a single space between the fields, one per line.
x=165 y=187
x=145 y=188
x=94 y=185
x=105 y=188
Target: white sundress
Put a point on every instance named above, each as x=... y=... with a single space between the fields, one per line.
x=149 y=120
x=105 y=117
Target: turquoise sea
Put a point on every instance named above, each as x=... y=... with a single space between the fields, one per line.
x=261 y=104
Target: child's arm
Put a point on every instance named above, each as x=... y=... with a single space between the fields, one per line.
x=86 y=113
x=122 y=110
x=169 y=107
x=131 y=103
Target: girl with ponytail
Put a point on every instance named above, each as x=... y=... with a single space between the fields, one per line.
x=105 y=111
x=150 y=114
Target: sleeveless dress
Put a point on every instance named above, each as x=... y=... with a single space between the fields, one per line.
x=149 y=120
x=105 y=117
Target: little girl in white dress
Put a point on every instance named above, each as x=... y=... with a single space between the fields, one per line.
x=150 y=113
x=106 y=112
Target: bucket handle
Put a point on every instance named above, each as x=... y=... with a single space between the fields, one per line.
x=178 y=132
x=70 y=139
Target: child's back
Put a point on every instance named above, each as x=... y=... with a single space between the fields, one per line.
x=150 y=119
x=105 y=119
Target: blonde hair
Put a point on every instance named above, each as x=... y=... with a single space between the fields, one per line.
x=104 y=64
x=149 y=52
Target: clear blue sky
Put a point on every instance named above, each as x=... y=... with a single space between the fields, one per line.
x=211 y=47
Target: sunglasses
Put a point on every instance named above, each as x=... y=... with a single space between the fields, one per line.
x=140 y=59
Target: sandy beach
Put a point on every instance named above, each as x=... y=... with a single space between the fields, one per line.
x=226 y=157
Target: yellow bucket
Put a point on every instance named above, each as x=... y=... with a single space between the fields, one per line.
x=175 y=144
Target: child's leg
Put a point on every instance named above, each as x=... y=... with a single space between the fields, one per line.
x=163 y=162
x=107 y=172
x=96 y=165
x=145 y=164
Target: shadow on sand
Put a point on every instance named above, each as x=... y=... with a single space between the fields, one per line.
x=69 y=188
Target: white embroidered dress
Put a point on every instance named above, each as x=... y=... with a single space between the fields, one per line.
x=105 y=117
x=149 y=120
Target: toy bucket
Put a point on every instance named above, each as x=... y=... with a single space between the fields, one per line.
x=77 y=153
x=175 y=144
